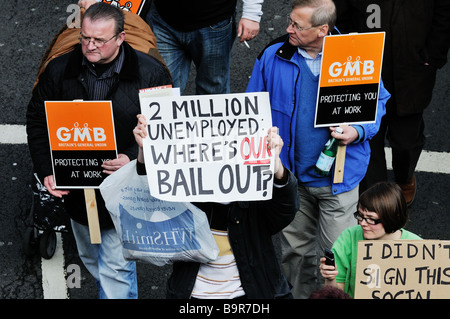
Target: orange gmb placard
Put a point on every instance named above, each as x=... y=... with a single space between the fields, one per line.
x=80 y=125
x=133 y=6
x=352 y=59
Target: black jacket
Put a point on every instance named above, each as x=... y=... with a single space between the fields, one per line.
x=193 y=15
x=251 y=226
x=62 y=80
x=417 y=32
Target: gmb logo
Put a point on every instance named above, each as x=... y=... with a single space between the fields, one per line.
x=82 y=134
x=351 y=68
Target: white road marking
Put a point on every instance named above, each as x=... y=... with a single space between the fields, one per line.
x=53 y=269
x=13 y=134
x=53 y=273
x=431 y=162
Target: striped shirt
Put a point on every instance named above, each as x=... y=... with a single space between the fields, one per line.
x=219 y=279
x=99 y=85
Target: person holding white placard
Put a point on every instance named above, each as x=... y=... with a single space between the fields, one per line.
x=247 y=265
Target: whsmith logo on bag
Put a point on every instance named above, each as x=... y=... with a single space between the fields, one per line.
x=158 y=237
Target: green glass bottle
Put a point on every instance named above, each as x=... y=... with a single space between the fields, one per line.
x=327 y=156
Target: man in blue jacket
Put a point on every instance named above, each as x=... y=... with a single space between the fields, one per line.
x=288 y=69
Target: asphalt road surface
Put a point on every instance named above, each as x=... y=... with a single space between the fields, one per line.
x=28 y=27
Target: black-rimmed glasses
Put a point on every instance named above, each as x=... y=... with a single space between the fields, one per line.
x=368 y=220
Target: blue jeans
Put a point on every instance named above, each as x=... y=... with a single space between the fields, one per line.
x=209 y=48
x=115 y=277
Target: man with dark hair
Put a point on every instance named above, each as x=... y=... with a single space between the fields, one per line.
x=102 y=67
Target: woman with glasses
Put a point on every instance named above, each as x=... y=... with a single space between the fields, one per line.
x=382 y=213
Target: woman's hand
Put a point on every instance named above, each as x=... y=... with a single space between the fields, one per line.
x=140 y=132
x=328 y=272
x=275 y=144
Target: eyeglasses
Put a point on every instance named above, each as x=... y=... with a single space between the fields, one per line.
x=369 y=221
x=97 y=42
x=294 y=24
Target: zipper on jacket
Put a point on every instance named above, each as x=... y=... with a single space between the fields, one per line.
x=294 y=102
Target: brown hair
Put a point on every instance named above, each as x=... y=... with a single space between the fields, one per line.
x=329 y=292
x=101 y=10
x=387 y=200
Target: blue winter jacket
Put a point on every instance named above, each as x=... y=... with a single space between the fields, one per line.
x=277 y=71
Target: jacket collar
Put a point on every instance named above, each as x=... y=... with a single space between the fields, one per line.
x=129 y=71
x=287 y=50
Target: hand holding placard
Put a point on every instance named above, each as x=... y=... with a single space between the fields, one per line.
x=208 y=148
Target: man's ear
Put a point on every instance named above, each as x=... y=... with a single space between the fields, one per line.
x=121 y=37
x=324 y=30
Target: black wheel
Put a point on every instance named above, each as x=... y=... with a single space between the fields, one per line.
x=29 y=242
x=47 y=244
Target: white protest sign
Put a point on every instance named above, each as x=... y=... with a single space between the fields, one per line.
x=208 y=147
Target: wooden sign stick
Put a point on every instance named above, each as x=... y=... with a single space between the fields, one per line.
x=339 y=165
x=92 y=212
x=92 y=215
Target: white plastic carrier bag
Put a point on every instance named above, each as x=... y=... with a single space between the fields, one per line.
x=151 y=230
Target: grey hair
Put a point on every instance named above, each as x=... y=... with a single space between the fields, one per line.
x=324 y=11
